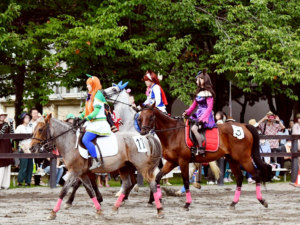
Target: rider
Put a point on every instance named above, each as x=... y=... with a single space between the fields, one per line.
x=154 y=91
x=94 y=114
x=204 y=99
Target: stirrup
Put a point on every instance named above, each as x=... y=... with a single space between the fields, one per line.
x=201 y=150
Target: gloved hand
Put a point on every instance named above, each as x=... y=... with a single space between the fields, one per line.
x=82 y=121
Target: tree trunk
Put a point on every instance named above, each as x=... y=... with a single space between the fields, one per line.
x=18 y=81
x=284 y=107
x=243 y=111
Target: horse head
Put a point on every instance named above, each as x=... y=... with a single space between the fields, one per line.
x=146 y=119
x=113 y=92
x=41 y=134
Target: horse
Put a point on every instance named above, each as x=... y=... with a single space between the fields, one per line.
x=119 y=97
x=60 y=134
x=238 y=152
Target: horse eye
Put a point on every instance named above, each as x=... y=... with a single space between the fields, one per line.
x=40 y=129
x=114 y=89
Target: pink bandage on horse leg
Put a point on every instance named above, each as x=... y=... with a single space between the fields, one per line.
x=119 y=200
x=57 y=206
x=96 y=203
x=159 y=191
x=156 y=199
x=188 y=197
x=258 y=192
x=237 y=195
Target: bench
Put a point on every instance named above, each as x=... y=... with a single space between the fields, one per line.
x=285 y=170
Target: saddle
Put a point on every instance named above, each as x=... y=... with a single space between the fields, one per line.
x=82 y=132
x=210 y=138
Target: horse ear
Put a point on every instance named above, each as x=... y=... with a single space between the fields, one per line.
x=49 y=116
x=153 y=105
x=124 y=85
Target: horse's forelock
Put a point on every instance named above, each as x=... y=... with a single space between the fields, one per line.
x=40 y=120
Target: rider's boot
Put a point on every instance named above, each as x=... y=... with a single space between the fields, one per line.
x=95 y=164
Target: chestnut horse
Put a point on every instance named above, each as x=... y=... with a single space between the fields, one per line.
x=60 y=134
x=238 y=152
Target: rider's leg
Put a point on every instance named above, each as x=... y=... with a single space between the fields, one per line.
x=87 y=141
x=199 y=139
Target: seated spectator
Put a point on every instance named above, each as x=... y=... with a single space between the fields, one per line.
x=59 y=168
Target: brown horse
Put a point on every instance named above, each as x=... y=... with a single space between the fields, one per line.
x=238 y=152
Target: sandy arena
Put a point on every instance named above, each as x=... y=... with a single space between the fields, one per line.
x=209 y=206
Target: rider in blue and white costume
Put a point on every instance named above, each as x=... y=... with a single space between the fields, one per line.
x=154 y=91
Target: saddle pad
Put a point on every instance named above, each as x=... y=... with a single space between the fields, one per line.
x=211 y=136
x=107 y=144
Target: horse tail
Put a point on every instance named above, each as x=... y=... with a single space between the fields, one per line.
x=215 y=169
x=265 y=170
x=155 y=156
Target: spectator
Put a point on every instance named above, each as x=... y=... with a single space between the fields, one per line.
x=59 y=167
x=70 y=118
x=270 y=125
x=5 y=147
x=282 y=142
x=26 y=165
x=291 y=124
x=100 y=177
x=296 y=128
x=264 y=148
x=35 y=115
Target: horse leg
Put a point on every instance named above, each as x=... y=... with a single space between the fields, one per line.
x=126 y=182
x=93 y=178
x=86 y=181
x=165 y=170
x=71 y=180
x=72 y=196
x=184 y=167
x=248 y=166
x=236 y=170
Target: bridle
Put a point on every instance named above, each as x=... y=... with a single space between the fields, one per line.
x=115 y=100
x=47 y=145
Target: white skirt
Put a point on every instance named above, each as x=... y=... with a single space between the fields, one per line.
x=100 y=128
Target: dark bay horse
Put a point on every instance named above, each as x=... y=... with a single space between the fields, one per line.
x=238 y=152
x=128 y=156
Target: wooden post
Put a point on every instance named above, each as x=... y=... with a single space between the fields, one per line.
x=294 y=161
x=53 y=172
x=199 y=174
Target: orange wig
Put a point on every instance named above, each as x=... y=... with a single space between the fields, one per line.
x=96 y=85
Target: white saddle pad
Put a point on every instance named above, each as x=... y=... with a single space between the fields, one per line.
x=108 y=146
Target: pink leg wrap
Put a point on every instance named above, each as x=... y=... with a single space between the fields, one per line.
x=119 y=200
x=188 y=197
x=96 y=203
x=159 y=191
x=237 y=194
x=57 y=206
x=258 y=192
x=156 y=199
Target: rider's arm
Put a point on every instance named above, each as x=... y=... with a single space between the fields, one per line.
x=93 y=114
x=192 y=107
x=210 y=103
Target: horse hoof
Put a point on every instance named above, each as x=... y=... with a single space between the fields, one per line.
x=99 y=214
x=150 y=205
x=232 y=206
x=186 y=206
x=136 y=188
x=197 y=185
x=52 y=216
x=115 y=210
x=264 y=203
x=160 y=213
x=123 y=203
x=67 y=205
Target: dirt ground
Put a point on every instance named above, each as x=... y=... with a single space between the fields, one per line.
x=209 y=206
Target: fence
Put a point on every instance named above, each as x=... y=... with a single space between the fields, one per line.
x=30 y=156
x=294 y=154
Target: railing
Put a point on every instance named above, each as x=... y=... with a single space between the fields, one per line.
x=30 y=156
